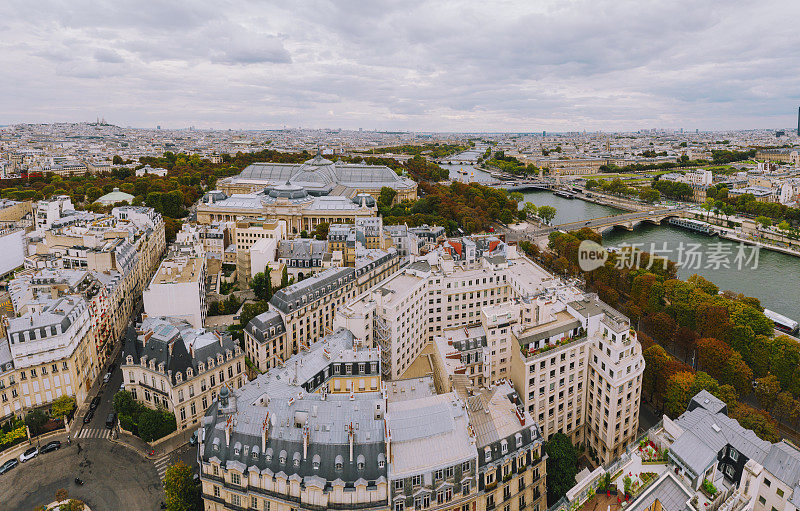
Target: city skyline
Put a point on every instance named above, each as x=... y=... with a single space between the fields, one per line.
x=420 y=67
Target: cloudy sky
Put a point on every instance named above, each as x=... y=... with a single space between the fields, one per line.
x=413 y=65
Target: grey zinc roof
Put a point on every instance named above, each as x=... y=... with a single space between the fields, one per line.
x=701 y=438
x=704 y=399
x=260 y=326
x=670 y=493
x=783 y=461
x=301 y=249
x=436 y=426
x=183 y=337
x=273 y=395
x=319 y=173
x=301 y=293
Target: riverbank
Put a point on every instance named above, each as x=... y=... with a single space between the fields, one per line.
x=729 y=234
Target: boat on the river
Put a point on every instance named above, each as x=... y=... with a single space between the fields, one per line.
x=693 y=225
x=782 y=323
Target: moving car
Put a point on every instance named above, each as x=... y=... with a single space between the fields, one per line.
x=8 y=465
x=106 y=377
x=88 y=417
x=29 y=454
x=50 y=446
x=110 y=420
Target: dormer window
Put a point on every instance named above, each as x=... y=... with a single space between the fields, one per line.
x=339 y=462
x=487 y=454
x=360 y=462
x=282 y=458
x=504 y=447
x=189 y=373
x=518 y=437
x=316 y=462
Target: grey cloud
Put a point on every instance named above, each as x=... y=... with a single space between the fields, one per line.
x=427 y=65
x=108 y=56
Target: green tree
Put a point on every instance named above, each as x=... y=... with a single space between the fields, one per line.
x=124 y=403
x=117 y=160
x=284 y=277
x=62 y=406
x=386 y=197
x=72 y=505
x=155 y=424
x=655 y=358
x=547 y=213
x=262 y=285
x=650 y=195
x=321 y=231
x=767 y=390
x=35 y=420
x=784 y=405
x=757 y=420
x=92 y=194
x=764 y=221
x=181 y=492
x=530 y=209
x=562 y=466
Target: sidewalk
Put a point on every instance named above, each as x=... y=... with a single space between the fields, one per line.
x=39 y=441
x=154 y=452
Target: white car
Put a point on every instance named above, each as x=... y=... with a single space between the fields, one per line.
x=29 y=454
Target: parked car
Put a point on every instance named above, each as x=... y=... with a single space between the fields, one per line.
x=95 y=402
x=50 y=446
x=8 y=465
x=29 y=454
x=106 y=377
x=88 y=417
x=110 y=420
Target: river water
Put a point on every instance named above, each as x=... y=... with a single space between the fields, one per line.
x=775 y=280
x=468 y=173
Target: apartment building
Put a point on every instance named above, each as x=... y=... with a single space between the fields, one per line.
x=212 y=239
x=445 y=477
x=256 y=235
x=303 y=312
x=288 y=439
x=578 y=368
x=176 y=366
x=178 y=290
x=431 y=294
x=53 y=353
x=48 y=211
x=511 y=469
x=460 y=351
x=574 y=361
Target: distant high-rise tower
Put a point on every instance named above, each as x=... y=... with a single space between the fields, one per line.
x=798 y=121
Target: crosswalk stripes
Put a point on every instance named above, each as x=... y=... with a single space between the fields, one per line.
x=162 y=464
x=93 y=433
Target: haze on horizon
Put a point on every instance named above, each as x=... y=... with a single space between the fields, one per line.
x=415 y=65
